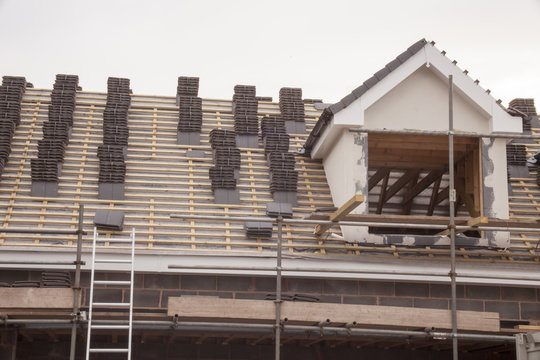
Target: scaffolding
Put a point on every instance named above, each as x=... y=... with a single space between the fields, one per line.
x=281 y=327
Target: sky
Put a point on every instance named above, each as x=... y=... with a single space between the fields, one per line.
x=327 y=48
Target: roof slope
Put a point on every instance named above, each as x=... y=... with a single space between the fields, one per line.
x=162 y=179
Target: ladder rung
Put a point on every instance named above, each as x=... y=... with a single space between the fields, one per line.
x=114 y=240
x=112 y=282
x=119 y=261
x=111 y=304
x=109 y=350
x=110 y=327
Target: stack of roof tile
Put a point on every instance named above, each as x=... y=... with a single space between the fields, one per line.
x=112 y=168
x=273 y=124
x=245 y=108
x=11 y=93
x=526 y=108
x=516 y=155
x=187 y=86
x=258 y=229
x=246 y=123
x=56 y=279
x=292 y=109
x=56 y=132
x=283 y=176
x=223 y=138
x=225 y=173
x=227 y=156
x=190 y=111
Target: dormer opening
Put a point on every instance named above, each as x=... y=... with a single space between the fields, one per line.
x=408 y=175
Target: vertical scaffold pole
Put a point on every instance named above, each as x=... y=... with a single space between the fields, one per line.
x=77 y=287
x=278 y=289
x=452 y=225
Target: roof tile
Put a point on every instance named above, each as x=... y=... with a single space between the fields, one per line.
x=347 y=100
x=381 y=74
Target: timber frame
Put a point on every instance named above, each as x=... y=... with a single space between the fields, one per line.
x=405 y=168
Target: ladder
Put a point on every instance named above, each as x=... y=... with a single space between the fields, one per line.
x=111 y=325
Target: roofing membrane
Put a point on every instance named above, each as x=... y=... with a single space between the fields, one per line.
x=163 y=177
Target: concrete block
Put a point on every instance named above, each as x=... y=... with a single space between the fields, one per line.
x=217 y=294
x=483 y=292
x=198 y=282
x=361 y=300
x=376 y=288
x=334 y=299
x=10 y=276
x=267 y=284
x=506 y=309
x=250 y=295
x=431 y=303
x=214 y=351
x=174 y=293
x=234 y=283
x=394 y=301
x=530 y=311
x=412 y=289
x=145 y=298
x=107 y=295
x=349 y=287
x=444 y=291
x=304 y=286
x=520 y=294
x=161 y=281
x=472 y=305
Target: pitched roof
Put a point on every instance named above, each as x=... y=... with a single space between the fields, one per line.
x=333 y=109
x=163 y=178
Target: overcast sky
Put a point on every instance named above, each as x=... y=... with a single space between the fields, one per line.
x=325 y=47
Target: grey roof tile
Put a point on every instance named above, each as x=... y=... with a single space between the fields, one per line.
x=404 y=56
x=347 y=100
x=382 y=73
x=337 y=107
x=414 y=48
x=359 y=91
x=371 y=82
x=330 y=111
x=393 y=65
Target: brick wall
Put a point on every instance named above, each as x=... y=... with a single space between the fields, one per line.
x=152 y=292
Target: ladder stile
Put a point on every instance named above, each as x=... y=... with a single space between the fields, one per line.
x=112 y=325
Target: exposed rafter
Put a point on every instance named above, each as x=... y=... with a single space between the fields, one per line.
x=378 y=176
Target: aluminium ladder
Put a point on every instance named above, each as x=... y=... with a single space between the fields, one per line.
x=111 y=325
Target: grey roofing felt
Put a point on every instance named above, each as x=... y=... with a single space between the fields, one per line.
x=330 y=111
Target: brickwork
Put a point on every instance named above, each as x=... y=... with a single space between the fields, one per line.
x=153 y=290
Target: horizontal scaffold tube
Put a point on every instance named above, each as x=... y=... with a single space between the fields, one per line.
x=349 y=331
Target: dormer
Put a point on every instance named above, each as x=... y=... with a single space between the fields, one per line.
x=407 y=174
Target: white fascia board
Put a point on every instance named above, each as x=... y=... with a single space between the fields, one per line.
x=353 y=115
x=500 y=120
x=159 y=261
x=330 y=135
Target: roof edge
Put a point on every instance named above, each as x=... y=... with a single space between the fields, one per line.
x=328 y=113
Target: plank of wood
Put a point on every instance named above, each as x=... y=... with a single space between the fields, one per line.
x=435 y=220
x=215 y=309
x=36 y=298
x=480 y=220
x=340 y=213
